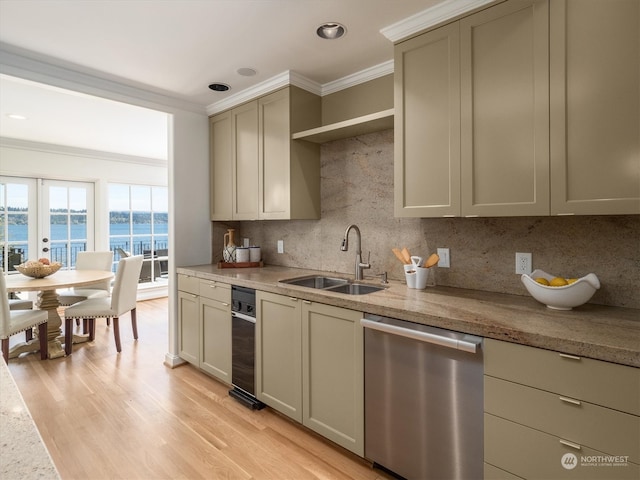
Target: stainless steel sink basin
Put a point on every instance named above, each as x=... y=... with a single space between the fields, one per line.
x=355 y=289
x=332 y=284
x=315 y=281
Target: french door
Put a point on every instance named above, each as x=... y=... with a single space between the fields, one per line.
x=45 y=218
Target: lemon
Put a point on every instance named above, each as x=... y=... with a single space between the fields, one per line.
x=542 y=281
x=571 y=280
x=558 y=282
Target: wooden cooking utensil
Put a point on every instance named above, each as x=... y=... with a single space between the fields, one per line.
x=406 y=255
x=432 y=260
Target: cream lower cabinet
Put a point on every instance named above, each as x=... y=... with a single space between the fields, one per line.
x=333 y=374
x=310 y=366
x=279 y=353
x=552 y=415
x=204 y=325
x=215 y=329
x=188 y=319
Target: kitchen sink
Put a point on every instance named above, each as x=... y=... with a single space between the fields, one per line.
x=332 y=284
x=355 y=289
x=315 y=281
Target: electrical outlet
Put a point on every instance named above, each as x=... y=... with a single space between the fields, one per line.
x=280 y=246
x=445 y=261
x=245 y=242
x=523 y=263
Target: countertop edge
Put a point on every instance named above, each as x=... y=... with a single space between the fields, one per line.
x=24 y=454
x=595 y=331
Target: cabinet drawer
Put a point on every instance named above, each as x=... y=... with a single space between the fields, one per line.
x=529 y=453
x=495 y=473
x=215 y=291
x=603 y=383
x=188 y=284
x=604 y=429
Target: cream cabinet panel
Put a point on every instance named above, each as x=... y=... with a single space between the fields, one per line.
x=595 y=107
x=495 y=473
x=244 y=128
x=603 y=383
x=289 y=169
x=505 y=110
x=215 y=329
x=532 y=454
x=221 y=166
x=258 y=172
x=544 y=409
x=472 y=116
x=600 y=428
x=279 y=353
x=274 y=154
x=333 y=374
x=427 y=125
x=188 y=319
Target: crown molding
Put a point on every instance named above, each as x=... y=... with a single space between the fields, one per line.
x=357 y=78
x=20 y=63
x=274 y=83
x=430 y=17
x=79 y=152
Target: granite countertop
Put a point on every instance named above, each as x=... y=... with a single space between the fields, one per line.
x=595 y=331
x=23 y=455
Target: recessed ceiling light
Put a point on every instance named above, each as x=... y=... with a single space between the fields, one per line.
x=331 y=30
x=15 y=116
x=219 y=87
x=246 y=72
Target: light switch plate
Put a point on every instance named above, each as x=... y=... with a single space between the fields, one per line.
x=445 y=260
x=280 y=246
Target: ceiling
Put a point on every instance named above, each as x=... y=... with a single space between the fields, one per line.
x=177 y=48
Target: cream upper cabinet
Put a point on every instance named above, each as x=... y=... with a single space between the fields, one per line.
x=289 y=169
x=221 y=166
x=244 y=153
x=595 y=106
x=427 y=125
x=505 y=110
x=257 y=171
x=472 y=129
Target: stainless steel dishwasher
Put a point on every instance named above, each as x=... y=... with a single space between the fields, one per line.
x=423 y=400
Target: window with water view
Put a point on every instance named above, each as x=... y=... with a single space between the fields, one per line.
x=138 y=225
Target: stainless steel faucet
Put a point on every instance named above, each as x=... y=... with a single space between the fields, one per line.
x=345 y=247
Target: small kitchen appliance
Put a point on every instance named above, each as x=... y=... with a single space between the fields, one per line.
x=243 y=335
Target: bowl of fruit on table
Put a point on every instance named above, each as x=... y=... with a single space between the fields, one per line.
x=38 y=268
x=560 y=293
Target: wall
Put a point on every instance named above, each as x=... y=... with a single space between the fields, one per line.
x=357 y=187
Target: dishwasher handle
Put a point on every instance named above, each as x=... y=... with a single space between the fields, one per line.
x=244 y=317
x=470 y=344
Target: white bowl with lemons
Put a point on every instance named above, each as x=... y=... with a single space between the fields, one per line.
x=560 y=293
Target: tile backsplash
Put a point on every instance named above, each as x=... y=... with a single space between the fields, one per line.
x=357 y=187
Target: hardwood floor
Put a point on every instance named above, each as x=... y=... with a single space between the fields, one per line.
x=104 y=415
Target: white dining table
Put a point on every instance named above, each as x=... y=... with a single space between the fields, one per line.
x=48 y=300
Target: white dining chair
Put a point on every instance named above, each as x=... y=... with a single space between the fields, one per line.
x=16 y=321
x=122 y=300
x=90 y=261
